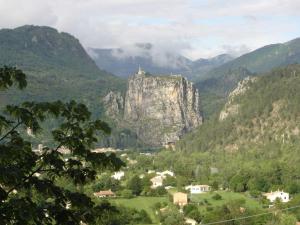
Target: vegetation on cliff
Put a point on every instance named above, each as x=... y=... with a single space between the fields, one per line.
x=56 y=65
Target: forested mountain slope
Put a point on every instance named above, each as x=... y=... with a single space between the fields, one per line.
x=220 y=81
x=266 y=111
x=57 y=67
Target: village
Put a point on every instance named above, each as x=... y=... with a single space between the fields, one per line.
x=158 y=192
x=161 y=192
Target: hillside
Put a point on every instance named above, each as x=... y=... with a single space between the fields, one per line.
x=259 y=111
x=263 y=59
x=57 y=67
x=121 y=63
x=220 y=81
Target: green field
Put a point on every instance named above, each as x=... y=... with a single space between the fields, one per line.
x=140 y=203
x=226 y=196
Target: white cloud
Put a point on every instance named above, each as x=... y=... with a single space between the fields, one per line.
x=195 y=28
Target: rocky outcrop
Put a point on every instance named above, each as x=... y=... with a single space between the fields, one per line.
x=230 y=107
x=114 y=104
x=160 y=109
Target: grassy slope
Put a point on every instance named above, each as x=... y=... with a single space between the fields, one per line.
x=226 y=196
x=139 y=203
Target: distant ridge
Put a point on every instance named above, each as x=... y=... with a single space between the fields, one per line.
x=220 y=81
x=119 y=62
x=57 y=66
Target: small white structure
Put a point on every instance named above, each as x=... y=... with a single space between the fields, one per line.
x=165 y=173
x=64 y=150
x=118 y=175
x=106 y=150
x=30 y=132
x=198 y=189
x=190 y=221
x=281 y=195
x=151 y=171
x=156 y=182
x=169 y=187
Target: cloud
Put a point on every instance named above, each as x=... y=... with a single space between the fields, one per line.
x=195 y=28
x=236 y=50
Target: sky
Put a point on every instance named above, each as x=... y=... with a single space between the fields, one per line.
x=193 y=28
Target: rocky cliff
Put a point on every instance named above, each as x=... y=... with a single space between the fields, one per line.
x=231 y=108
x=159 y=109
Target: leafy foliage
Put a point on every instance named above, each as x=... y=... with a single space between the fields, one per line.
x=57 y=68
x=29 y=193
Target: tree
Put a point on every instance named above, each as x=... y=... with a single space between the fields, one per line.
x=135 y=184
x=106 y=182
x=192 y=211
x=172 y=217
x=29 y=191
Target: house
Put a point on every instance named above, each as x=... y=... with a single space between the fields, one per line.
x=281 y=195
x=103 y=194
x=118 y=175
x=198 y=189
x=190 y=221
x=156 y=182
x=180 y=198
x=165 y=173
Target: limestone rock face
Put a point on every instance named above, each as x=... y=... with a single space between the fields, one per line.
x=114 y=104
x=161 y=108
x=230 y=107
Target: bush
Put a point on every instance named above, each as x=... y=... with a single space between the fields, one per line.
x=217 y=197
x=254 y=193
x=126 y=193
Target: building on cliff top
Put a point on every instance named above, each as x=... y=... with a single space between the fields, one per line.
x=158 y=109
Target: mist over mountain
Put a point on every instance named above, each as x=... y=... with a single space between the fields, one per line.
x=220 y=81
x=124 y=62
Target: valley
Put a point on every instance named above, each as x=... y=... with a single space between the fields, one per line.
x=218 y=141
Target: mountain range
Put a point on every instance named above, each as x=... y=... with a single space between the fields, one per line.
x=216 y=84
x=58 y=67
x=122 y=63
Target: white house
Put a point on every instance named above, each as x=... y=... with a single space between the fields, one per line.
x=165 y=173
x=156 y=182
x=198 y=189
x=118 y=175
x=281 y=195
